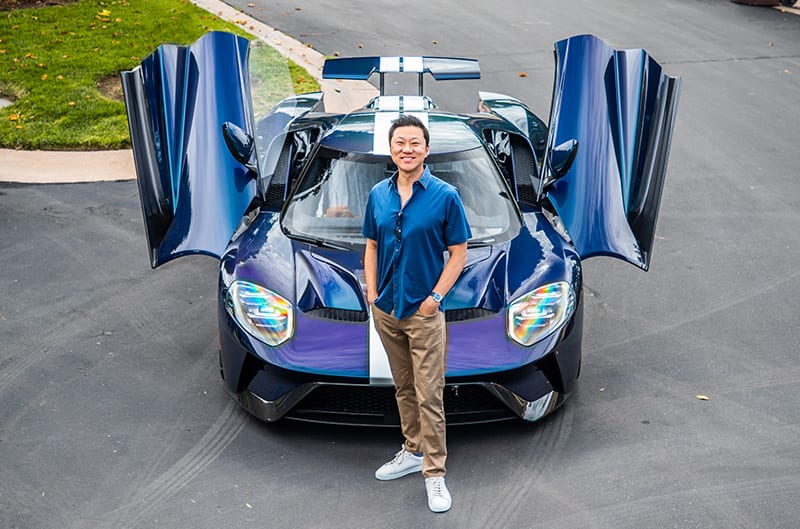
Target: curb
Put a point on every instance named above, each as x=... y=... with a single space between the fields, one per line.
x=68 y=167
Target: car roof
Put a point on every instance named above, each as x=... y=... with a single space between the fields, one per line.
x=366 y=131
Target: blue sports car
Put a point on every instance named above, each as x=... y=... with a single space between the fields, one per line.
x=278 y=196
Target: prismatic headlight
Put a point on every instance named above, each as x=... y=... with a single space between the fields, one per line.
x=538 y=314
x=261 y=312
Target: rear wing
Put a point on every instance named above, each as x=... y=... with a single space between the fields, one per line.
x=362 y=68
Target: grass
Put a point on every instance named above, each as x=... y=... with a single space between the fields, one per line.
x=60 y=66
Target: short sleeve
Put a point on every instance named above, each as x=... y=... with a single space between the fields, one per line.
x=369 y=229
x=456 y=229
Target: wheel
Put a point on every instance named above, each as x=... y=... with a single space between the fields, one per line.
x=788 y=3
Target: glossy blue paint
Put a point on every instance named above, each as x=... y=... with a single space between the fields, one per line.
x=620 y=107
x=322 y=282
x=190 y=91
x=314 y=278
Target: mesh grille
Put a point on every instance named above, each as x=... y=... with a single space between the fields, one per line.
x=327 y=313
x=467 y=314
x=277 y=186
x=524 y=168
x=275 y=194
x=371 y=405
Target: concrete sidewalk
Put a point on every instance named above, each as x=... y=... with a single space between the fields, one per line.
x=92 y=166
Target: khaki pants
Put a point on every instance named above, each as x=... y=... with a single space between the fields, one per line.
x=417 y=350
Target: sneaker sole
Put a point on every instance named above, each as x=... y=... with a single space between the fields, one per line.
x=399 y=474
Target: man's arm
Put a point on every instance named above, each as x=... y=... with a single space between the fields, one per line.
x=371 y=270
x=448 y=278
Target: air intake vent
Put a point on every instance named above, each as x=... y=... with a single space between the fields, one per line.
x=468 y=314
x=376 y=406
x=524 y=170
x=325 y=313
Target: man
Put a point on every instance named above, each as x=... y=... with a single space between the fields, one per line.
x=410 y=220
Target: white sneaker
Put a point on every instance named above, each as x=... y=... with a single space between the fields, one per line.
x=439 y=499
x=404 y=463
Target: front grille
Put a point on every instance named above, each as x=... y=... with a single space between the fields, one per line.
x=467 y=314
x=326 y=313
x=376 y=406
x=360 y=316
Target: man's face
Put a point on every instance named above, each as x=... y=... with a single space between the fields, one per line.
x=408 y=148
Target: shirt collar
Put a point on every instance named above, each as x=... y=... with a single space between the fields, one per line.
x=423 y=181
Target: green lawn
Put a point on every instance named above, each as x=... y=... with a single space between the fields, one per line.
x=60 y=65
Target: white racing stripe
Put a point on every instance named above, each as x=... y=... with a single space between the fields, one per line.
x=412 y=64
x=379 y=371
x=389 y=64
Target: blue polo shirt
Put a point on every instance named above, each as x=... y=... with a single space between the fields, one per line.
x=412 y=239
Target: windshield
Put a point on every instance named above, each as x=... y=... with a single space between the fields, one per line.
x=329 y=202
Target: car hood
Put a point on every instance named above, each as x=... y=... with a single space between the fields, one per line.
x=315 y=278
x=326 y=285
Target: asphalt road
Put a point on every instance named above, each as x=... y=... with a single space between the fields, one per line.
x=112 y=414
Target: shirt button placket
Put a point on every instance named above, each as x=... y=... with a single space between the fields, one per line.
x=396 y=291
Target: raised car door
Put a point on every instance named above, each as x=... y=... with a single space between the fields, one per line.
x=193 y=193
x=620 y=107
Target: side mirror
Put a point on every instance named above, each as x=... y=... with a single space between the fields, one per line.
x=239 y=143
x=560 y=158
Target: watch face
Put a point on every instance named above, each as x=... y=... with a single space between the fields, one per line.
x=436 y=297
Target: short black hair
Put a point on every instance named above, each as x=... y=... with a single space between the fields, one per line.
x=407 y=120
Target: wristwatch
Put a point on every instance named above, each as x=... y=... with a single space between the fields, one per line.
x=436 y=297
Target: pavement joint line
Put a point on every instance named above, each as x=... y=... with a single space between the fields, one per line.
x=68 y=167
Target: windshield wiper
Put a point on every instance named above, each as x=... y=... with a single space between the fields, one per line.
x=316 y=241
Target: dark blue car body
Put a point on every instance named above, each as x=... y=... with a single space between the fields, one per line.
x=260 y=194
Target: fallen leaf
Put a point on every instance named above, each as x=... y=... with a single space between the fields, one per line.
x=434 y=42
x=13 y=117
x=251 y=5
x=522 y=74
x=104 y=13
x=71 y=103
x=44 y=77
x=702 y=397
x=360 y=46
